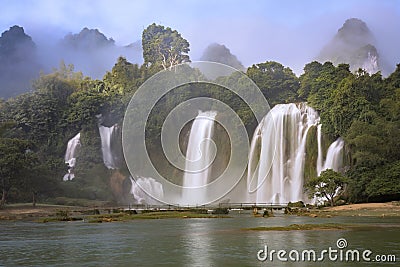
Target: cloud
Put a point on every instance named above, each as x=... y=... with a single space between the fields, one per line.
x=290 y=32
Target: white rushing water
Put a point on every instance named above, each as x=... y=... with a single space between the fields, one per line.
x=107 y=134
x=334 y=156
x=146 y=190
x=70 y=156
x=198 y=158
x=279 y=143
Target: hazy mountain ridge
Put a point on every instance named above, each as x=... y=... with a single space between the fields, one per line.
x=221 y=54
x=93 y=53
x=87 y=39
x=18 y=61
x=90 y=51
x=353 y=44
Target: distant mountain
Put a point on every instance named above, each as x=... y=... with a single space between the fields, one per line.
x=93 y=53
x=87 y=39
x=353 y=44
x=18 y=62
x=90 y=51
x=221 y=54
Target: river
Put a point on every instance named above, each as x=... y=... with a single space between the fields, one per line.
x=189 y=242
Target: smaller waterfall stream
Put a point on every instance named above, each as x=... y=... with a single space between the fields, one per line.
x=108 y=135
x=70 y=156
x=334 y=156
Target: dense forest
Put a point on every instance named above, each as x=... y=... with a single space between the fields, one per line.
x=362 y=108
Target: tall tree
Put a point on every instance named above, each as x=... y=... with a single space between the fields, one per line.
x=327 y=185
x=164 y=47
x=12 y=162
x=278 y=83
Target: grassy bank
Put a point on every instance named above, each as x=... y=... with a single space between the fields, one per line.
x=53 y=213
x=297 y=227
x=127 y=216
x=102 y=213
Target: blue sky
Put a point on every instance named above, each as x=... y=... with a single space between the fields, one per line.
x=289 y=31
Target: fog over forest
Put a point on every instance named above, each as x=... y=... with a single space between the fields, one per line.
x=242 y=37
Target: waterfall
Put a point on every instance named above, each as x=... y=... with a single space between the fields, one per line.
x=279 y=148
x=108 y=136
x=198 y=158
x=70 y=156
x=319 y=159
x=334 y=156
x=146 y=190
x=277 y=154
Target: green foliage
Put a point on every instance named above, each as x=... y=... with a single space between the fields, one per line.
x=277 y=83
x=12 y=161
x=385 y=185
x=164 y=47
x=298 y=204
x=377 y=183
x=361 y=108
x=365 y=110
x=86 y=103
x=328 y=184
x=21 y=171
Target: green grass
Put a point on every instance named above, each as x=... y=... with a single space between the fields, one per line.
x=150 y=215
x=297 y=227
x=125 y=216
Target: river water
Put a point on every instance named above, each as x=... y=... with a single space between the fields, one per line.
x=190 y=242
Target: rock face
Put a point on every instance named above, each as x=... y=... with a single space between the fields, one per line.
x=353 y=44
x=18 y=61
x=86 y=40
x=221 y=54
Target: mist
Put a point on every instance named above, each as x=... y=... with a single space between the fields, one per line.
x=296 y=46
x=24 y=57
x=295 y=37
x=289 y=32
x=89 y=51
x=221 y=54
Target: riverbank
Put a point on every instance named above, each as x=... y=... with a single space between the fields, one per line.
x=25 y=211
x=46 y=212
x=388 y=209
x=52 y=213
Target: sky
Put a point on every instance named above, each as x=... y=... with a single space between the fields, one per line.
x=291 y=32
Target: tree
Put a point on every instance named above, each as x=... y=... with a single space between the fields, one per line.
x=164 y=47
x=327 y=185
x=278 y=83
x=124 y=78
x=385 y=185
x=12 y=162
x=308 y=80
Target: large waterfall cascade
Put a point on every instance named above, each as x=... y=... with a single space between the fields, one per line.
x=276 y=167
x=70 y=156
x=278 y=150
x=198 y=158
